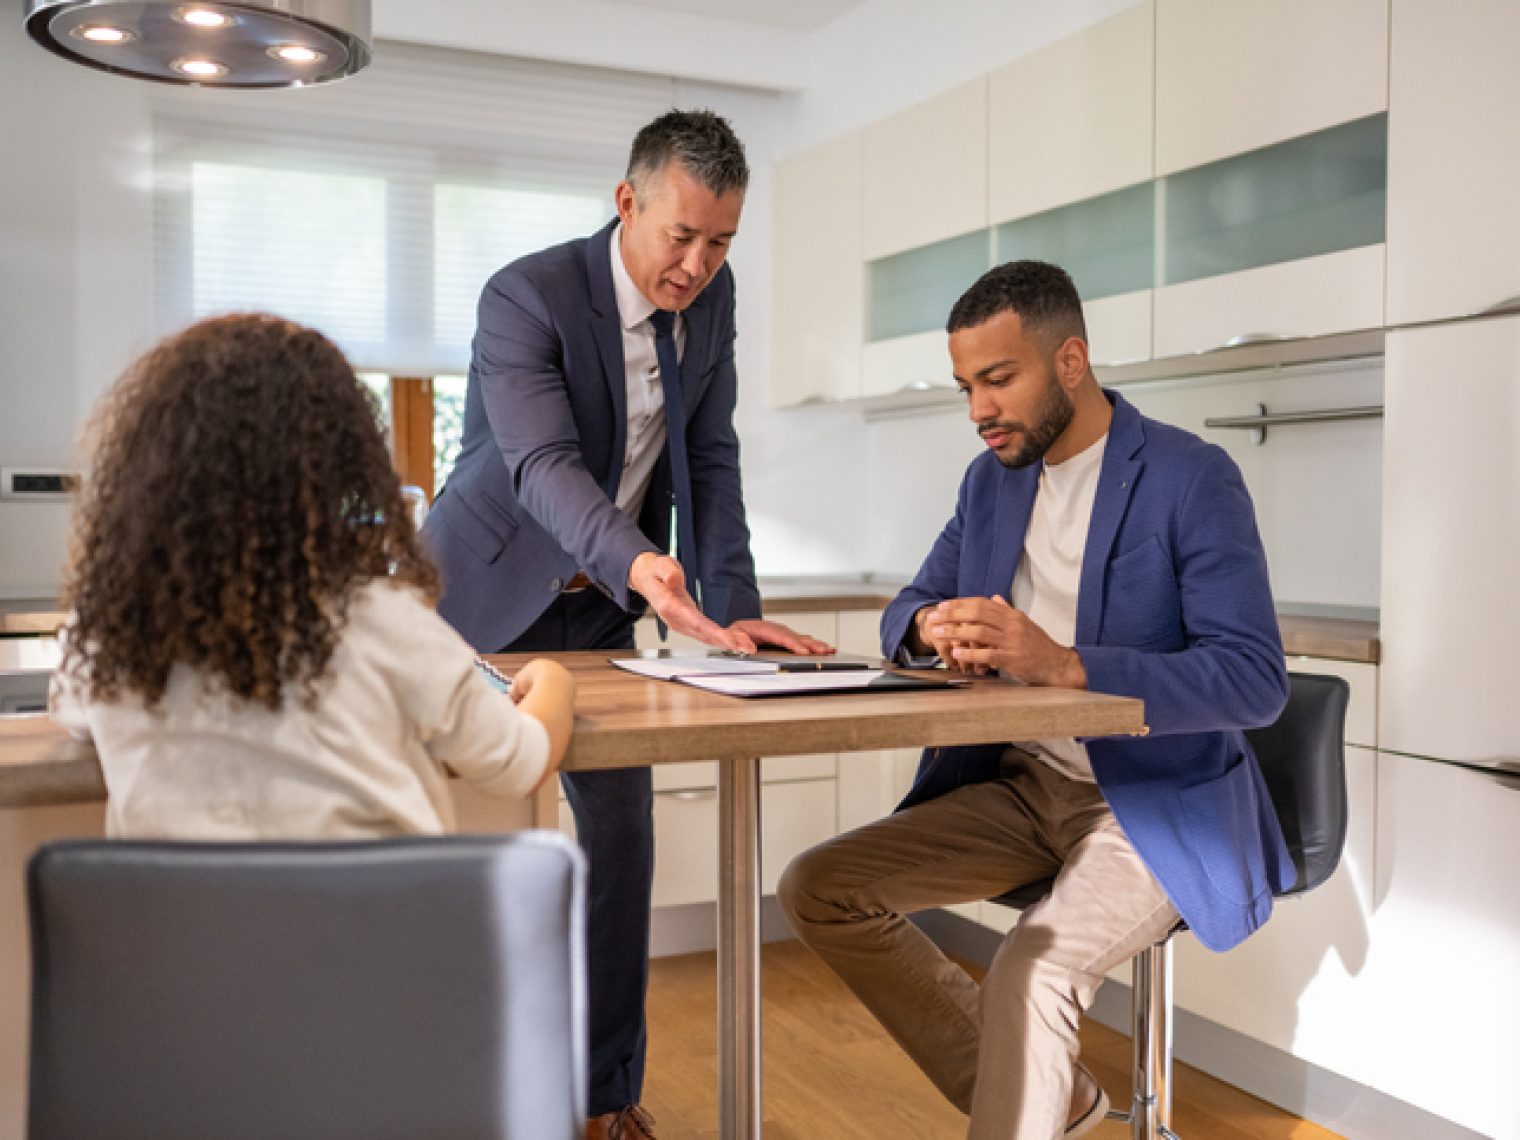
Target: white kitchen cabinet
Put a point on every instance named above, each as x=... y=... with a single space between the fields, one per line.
x=1451 y=541
x=1314 y=296
x=1085 y=99
x=1446 y=941
x=1453 y=158
x=918 y=362
x=1300 y=984
x=819 y=279
x=1234 y=75
x=793 y=817
x=925 y=172
x=1280 y=242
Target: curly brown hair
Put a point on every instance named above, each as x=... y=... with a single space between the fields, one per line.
x=238 y=490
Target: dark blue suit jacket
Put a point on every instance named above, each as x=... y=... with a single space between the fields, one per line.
x=1173 y=607
x=531 y=500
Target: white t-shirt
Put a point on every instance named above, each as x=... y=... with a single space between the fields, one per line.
x=401 y=699
x=646 y=394
x=1046 y=581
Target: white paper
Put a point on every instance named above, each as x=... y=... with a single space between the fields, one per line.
x=767 y=684
x=679 y=668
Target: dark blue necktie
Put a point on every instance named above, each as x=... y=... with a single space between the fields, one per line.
x=675 y=439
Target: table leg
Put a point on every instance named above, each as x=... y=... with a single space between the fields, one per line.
x=739 y=950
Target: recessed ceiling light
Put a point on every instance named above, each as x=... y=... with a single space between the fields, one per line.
x=103 y=34
x=200 y=68
x=203 y=17
x=296 y=53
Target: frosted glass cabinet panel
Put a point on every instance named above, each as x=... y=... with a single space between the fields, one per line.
x=1107 y=243
x=1453 y=158
x=912 y=292
x=1232 y=75
x=1317 y=194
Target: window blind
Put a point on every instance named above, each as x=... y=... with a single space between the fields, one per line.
x=375 y=209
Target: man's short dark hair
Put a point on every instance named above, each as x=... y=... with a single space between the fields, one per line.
x=1040 y=293
x=702 y=142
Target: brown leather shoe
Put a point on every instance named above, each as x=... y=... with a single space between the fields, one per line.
x=1089 y=1104
x=631 y=1123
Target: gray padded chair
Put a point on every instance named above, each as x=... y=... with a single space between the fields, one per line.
x=390 y=990
x=1302 y=757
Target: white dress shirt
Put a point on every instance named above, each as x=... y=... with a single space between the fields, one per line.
x=1046 y=581
x=641 y=368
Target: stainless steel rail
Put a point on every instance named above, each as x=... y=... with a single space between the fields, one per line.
x=1264 y=419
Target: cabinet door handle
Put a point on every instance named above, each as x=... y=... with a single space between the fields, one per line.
x=1506 y=774
x=694 y=795
x=1499 y=308
x=924 y=386
x=1244 y=340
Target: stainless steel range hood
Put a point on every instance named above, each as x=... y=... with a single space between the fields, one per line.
x=241 y=43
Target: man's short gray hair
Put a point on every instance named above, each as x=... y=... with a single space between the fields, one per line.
x=701 y=141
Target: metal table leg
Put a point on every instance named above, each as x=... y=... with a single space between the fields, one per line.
x=739 y=950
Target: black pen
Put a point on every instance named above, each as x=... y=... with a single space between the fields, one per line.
x=826 y=665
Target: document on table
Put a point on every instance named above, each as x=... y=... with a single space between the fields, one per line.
x=779 y=675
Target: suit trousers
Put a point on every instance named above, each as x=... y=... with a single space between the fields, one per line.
x=614 y=823
x=1002 y=1051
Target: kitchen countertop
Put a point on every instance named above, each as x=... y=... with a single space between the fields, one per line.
x=1338 y=633
x=1343 y=635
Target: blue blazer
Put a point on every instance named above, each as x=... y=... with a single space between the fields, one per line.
x=1173 y=607
x=531 y=499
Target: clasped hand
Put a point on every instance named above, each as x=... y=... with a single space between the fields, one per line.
x=662 y=583
x=980 y=635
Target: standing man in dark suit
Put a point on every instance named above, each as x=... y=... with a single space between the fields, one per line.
x=600 y=402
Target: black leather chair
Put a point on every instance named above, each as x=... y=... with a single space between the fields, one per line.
x=1302 y=757
x=376 y=991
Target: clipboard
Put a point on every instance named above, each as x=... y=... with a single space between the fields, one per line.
x=767 y=676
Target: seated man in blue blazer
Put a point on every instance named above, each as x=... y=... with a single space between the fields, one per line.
x=1093 y=548
x=600 y=402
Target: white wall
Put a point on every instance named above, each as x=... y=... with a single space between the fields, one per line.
x=75 y=274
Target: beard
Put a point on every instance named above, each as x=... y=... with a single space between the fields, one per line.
x=1052 y=417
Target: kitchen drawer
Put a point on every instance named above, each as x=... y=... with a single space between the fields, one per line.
x=1312 y=296
x=793 y=818
x=1361 y=712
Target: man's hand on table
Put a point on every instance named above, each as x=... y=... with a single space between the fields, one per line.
x=662 y=583
x=763 y=633
x=980 y=635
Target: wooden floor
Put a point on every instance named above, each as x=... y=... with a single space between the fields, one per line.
x=832 y=1074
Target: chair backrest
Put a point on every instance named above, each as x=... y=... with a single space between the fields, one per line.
x=1302 y=756
x=393 y=989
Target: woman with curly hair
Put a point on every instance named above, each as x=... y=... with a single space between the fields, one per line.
x=253 y=645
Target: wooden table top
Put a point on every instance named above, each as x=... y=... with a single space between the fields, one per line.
x=623 y=720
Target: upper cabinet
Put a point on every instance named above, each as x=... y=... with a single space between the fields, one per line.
x=1281 y=242
x=1453 y=158
x=1069 y=175
x=1073 y=120
x=1238 y=75
x=925 y=172
x=818 y=286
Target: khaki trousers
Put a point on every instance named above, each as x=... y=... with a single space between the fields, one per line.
x=1003 y=1051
